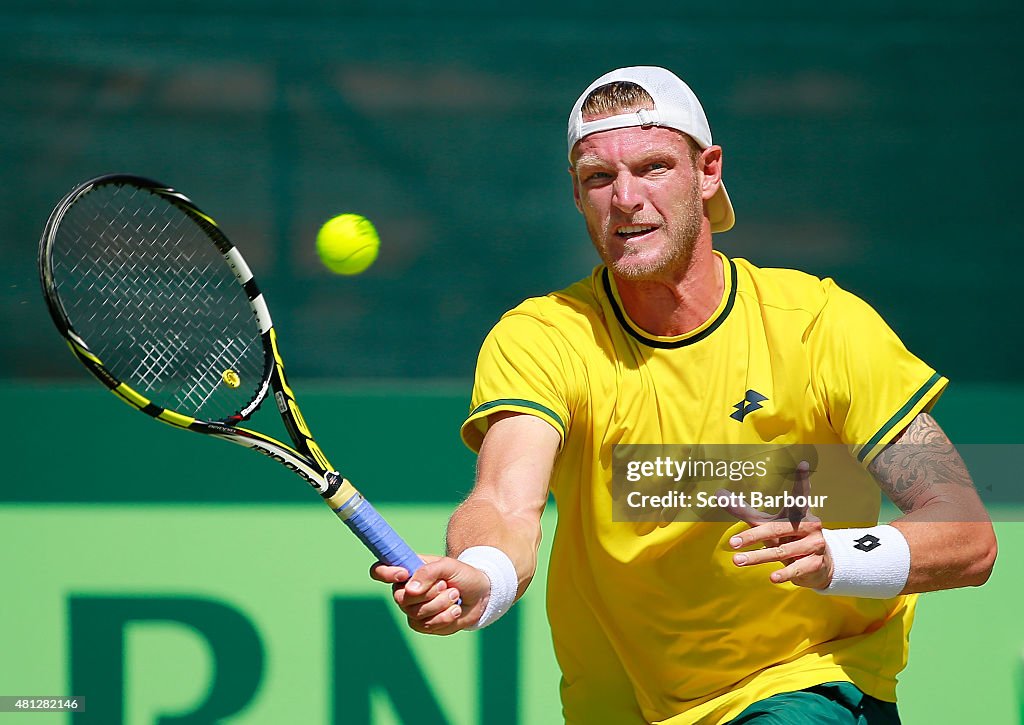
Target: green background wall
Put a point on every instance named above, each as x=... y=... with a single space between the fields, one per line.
x=168 y=525
x=872 y=141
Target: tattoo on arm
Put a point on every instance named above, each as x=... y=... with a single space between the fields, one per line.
x=921 y=457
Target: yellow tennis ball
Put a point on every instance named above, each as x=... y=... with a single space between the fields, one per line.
x=347 y=244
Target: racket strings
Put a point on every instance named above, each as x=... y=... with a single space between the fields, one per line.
x=154 y=299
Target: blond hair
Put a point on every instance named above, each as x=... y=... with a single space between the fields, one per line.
x=624 y=97
x=607 y=100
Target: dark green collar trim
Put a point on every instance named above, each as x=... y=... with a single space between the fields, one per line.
x=519 y=402
x=898 y=416
x=666 y=344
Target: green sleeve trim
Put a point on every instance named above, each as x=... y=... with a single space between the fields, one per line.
x=898 y=416
x=519 y=403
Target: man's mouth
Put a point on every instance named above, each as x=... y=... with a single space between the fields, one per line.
x=634 y=230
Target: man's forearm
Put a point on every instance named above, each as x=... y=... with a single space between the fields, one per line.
x=947 y=555
x=504 y=509
x=951 y=540
x=479 y=522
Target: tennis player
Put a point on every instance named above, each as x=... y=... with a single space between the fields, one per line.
x=765 y=619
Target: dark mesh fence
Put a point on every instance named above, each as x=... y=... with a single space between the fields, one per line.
x=873 y=142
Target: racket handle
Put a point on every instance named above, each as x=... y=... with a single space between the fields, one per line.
x=377 y=534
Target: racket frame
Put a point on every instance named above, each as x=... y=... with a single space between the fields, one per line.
x=306 y=459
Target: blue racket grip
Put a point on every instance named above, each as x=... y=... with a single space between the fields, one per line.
x=378 y=536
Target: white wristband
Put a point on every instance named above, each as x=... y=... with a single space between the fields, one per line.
x=504 y=581
x=872 y=563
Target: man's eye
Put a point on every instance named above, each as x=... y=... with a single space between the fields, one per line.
x=597 y=176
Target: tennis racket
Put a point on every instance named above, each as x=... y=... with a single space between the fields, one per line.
x=155 y=302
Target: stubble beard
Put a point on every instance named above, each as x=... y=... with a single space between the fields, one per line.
x=688 y=217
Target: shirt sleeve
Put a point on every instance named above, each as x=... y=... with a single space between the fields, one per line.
x=871 y=386
x=525 y=366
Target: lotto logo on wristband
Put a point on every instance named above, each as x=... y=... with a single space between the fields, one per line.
x=880 y=576
x=867 y=543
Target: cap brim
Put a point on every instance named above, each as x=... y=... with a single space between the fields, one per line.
x=720 y=211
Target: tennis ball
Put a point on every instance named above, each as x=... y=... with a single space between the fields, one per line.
x=347 y=244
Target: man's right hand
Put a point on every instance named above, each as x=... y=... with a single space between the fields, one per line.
x=430 y=598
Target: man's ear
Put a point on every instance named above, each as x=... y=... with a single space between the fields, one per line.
x=710 y=166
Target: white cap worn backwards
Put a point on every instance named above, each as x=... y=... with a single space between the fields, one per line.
x=675 y=106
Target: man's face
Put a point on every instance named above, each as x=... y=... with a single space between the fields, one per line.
x=640 y=196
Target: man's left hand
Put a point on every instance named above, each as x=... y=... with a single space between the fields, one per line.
x=791 y=537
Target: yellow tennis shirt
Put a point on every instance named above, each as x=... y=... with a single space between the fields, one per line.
x=652 y=622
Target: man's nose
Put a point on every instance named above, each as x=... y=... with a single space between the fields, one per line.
x=627 y=193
